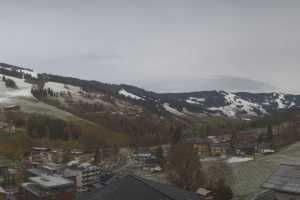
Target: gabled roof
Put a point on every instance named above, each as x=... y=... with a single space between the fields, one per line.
x=135 y=188
x=285 y=179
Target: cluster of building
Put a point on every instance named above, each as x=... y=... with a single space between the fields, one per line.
x=244 y=143
x=77 y=180
x=215 y=146
x=44 y=179
x=83 y=174
x=146 y=160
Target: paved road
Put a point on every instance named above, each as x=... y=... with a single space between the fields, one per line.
x=127 y=161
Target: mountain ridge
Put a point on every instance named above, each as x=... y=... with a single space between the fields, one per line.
x=244 y=105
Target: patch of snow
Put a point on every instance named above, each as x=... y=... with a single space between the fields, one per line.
x=268 y=151
x=239 y=159
x=130 y=95
x=24 y=71
x=195 y=100
x=73 y=162
x=266 y=103
x=28 y=72
x=236 y=104
x=8 y=94
x=168 y=108
x=246 y=119
x=292 y=104
x=280 y=101
x=59 y=87
x=227 y=110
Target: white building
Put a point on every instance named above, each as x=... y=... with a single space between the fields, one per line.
x=85 y=175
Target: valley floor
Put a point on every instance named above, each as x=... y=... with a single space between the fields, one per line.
x=249 y=176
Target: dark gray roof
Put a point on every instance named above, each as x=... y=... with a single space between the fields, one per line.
x=223 y=145
x=135 y=188
x=34 y=189
x=197 y=140
x=285 y=179
x=265 y=195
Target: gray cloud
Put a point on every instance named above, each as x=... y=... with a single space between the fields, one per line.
x=161 y=45
x=227 y=83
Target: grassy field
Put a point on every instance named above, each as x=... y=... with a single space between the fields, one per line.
x=249 y=176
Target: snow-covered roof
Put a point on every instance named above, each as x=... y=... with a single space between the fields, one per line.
x=47 y=181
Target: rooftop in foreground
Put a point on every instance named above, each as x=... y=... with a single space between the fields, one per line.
x=285 y=179
x=135 y=188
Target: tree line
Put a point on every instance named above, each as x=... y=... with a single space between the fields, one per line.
x=45 y=127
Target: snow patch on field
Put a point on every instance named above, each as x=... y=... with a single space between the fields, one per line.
x=8 y=94
x=238 y=160
x=292 y=104
x=130 y=95
x=195 y=100
x=24 y=71
x=31 y=73
x=236 y=104
x=59 y=87
x=168 y=108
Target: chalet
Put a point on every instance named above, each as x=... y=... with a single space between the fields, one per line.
x=135 y=188
x=249 y=135
x=265 y=148
x=152 y=165
x=209 y=146
x=205 y=194
x=201 y=145
x=40 y=155
x=224 y=138
x=245 y=148
x=218 y=149
x=143 y=154
x=11 y=108
x=284 y=184
x=47 y=187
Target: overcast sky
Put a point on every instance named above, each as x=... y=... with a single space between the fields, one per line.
x=161 y=45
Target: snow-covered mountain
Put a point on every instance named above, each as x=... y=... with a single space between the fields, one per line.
x=125 y=98
x=216 y=103
x=234 y=105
